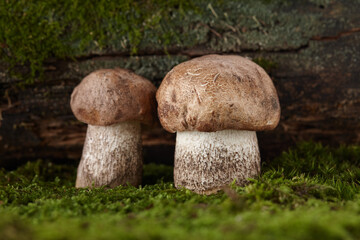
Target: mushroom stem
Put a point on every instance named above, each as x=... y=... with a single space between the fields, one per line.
x=205 y=162
x=112 y=156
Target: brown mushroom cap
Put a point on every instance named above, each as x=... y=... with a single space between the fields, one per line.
x=215 y=92
x=110 y=96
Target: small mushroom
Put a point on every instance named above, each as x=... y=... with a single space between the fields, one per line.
x=215 y=104
x=113 y=102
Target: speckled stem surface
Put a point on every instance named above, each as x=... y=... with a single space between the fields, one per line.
x=205 y=162
x=112 y=156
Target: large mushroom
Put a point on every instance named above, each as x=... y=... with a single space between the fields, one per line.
x=113 y=102
x=215 y=104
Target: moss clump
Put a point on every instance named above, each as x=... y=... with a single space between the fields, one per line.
x=298 y=196
x=33 y=31
x=338 y=168
x=157 y=173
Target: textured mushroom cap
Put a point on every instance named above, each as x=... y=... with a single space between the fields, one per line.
x=214 y=92
x=110 y=96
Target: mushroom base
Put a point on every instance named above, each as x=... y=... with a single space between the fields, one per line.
x=112 y=156
x=205 y=162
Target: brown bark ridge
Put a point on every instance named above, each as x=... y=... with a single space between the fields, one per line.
x=310 y=50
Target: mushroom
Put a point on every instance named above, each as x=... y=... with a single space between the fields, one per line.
x=113 y=102
x=215 y=104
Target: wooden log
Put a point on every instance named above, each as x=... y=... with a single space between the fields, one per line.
x=311 y=51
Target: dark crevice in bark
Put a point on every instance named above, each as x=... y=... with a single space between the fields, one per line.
x=337 y=36
x=191 y=53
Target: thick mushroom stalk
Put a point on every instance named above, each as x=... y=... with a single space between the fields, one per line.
x=216 y=103
x=205 y=162
x=113 y=102
x=111 y=156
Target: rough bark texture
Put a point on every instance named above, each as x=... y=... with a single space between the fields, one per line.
x=309 y=48
x=111 y=156
x=205 y=162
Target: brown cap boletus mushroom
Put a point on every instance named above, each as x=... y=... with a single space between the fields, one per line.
x=215 y=104
x=113 y=102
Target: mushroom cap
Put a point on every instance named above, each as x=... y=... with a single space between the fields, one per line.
x=110 y=96
x=218 y=92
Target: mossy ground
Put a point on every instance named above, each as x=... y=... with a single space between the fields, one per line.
x=309 y=192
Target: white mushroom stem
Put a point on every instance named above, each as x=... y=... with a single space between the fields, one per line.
x=205 y=162
x=112 y=155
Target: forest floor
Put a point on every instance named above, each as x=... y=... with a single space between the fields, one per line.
x=309 y=192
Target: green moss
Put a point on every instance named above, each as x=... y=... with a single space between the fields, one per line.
x=266 y=64
x=297 y=196
x=337 y=168
x=33 y=32
x=157 y=173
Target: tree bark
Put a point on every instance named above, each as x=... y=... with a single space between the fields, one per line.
x=310 y=50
